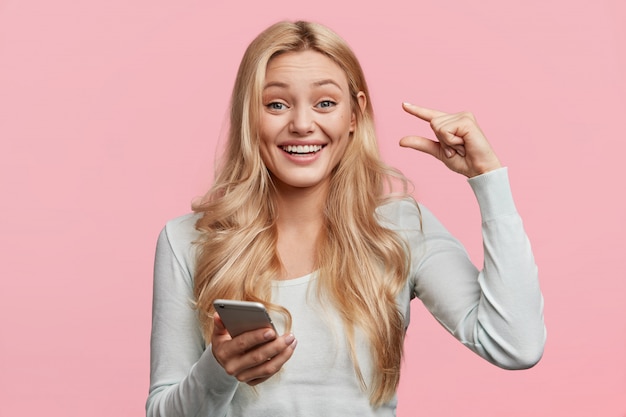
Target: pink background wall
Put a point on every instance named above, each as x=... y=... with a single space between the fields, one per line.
x=109 y=119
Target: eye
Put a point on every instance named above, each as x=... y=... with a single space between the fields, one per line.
x=326 y=104
x=275 y=105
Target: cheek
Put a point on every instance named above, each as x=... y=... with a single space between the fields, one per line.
x=340 y=124
x=264 y=139
x=264 y=151
x=263 y=126
x=269 y=128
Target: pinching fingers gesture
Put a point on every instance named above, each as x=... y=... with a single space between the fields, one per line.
x=461 y=145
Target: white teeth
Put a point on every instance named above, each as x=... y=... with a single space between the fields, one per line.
x=302 y=149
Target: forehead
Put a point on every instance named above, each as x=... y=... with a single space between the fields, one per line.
x=305 y=65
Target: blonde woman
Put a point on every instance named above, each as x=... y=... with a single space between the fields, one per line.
x=306 y=218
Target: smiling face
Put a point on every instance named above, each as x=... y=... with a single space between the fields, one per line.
x=306 y=120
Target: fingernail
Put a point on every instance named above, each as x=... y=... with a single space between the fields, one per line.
x=268 y=335
x=448 y=153
x=294 y=344
x=406 y=103
x=290 y=338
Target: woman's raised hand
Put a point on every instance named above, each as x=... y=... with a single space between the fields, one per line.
x=461 y=145
x=251 y=357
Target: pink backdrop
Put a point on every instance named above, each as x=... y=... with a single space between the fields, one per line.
x=109 y=119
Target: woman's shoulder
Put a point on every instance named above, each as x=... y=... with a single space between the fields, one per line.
x=181 y=231
x=177 y=241
x=408 y=215
x=400 y=213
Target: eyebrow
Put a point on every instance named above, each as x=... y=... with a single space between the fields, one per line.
x=319 y=83
x=326 y=82
x=275 y=84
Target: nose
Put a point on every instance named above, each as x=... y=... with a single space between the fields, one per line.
x=302 y=121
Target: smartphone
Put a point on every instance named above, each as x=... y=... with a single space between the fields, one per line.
x=242 y=316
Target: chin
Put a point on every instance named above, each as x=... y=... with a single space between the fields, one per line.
x=302 y=182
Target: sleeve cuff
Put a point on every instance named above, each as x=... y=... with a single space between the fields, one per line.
x=493 y=192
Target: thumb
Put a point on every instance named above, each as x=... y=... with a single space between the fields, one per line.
x=422 y=144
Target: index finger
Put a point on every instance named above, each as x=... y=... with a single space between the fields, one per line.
x=248 y=340
x=423 y=113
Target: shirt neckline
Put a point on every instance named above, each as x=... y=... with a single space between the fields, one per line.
x=295 y=281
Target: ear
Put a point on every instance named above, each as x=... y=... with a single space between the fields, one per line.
x=362 y=100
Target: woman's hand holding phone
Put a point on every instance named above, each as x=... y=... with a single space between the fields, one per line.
x=253 y=356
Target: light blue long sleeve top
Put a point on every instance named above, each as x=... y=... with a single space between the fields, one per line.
x=496 y=312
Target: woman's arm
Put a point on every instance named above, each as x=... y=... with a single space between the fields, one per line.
x=498 y=311
x=185 y=378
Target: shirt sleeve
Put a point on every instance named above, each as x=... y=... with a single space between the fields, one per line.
x=185 y=378
x=496 y=312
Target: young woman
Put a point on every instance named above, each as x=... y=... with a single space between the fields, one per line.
x=304 y=217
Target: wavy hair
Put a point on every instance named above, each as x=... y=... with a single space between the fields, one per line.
x=237 y=255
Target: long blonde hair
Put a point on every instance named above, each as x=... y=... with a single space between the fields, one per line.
x=237 y=255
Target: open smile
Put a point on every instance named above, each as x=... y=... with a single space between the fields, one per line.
x=302 y=149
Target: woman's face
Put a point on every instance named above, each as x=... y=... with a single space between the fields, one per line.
x=306 y=119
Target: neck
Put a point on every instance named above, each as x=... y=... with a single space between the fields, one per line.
x=301 y=205
x=300 y=221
